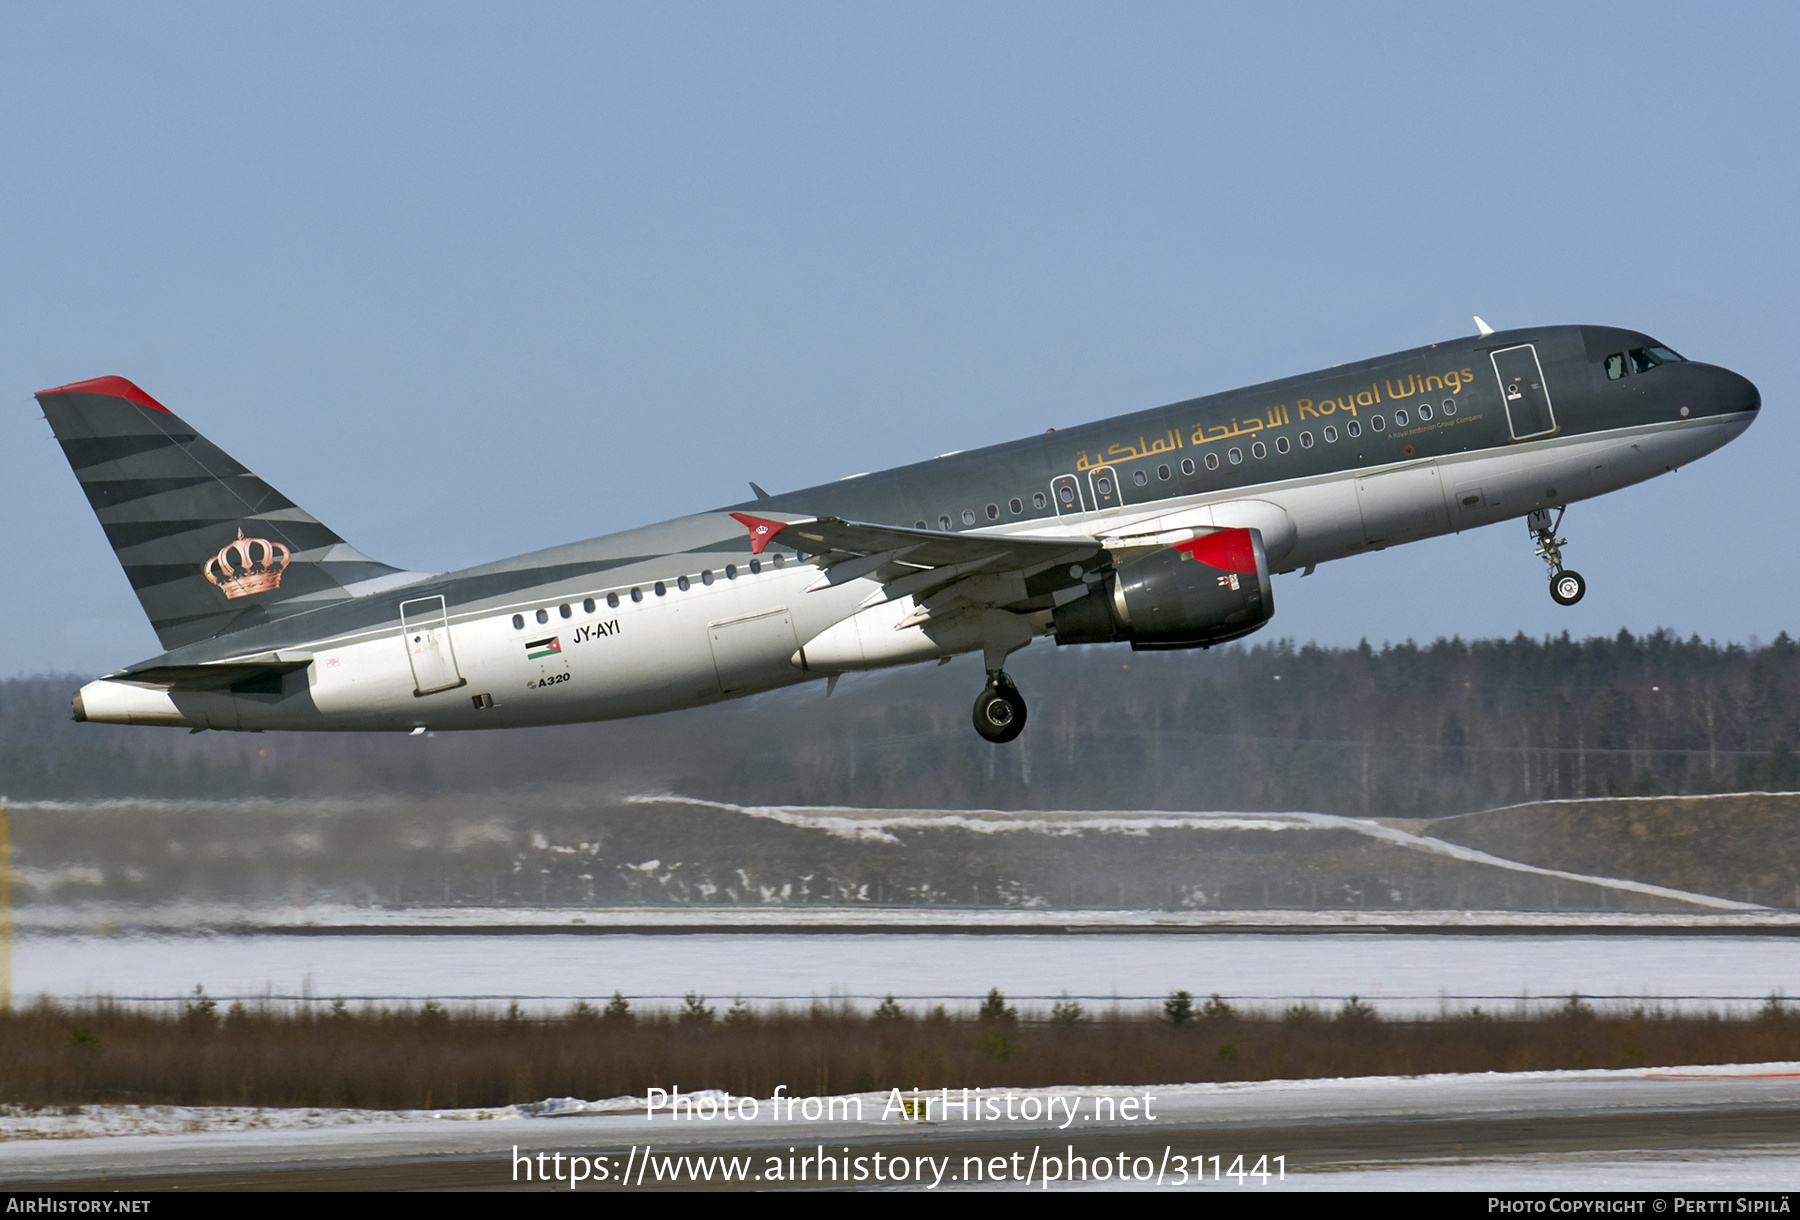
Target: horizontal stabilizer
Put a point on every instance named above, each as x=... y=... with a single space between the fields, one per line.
x=244 y=677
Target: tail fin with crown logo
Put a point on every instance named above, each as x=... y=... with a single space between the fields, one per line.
x=208 y=547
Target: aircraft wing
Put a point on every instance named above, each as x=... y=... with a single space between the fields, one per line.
x=991 y=569
x=831 y=536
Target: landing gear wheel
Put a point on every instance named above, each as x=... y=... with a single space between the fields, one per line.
x=1000 y=711
x=1567 y=587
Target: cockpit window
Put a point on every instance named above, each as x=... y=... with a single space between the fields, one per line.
x=1615 y=366
x=1643 y=359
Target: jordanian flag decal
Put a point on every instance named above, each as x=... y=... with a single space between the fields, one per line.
x=543 y=648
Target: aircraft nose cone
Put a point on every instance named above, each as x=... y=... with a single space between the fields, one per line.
x=1733 y=392
x=1752 y=396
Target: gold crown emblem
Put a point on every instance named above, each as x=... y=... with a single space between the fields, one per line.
x=249 y=565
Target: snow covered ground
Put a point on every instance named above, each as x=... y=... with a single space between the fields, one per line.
x=1401 y=973
x=878 y=824
x=1652 y=1145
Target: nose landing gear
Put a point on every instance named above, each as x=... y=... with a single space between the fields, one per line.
x=999 y=709
x=1566 y=586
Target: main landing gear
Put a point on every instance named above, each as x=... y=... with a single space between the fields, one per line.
x=1566 y=586
x=999 y=709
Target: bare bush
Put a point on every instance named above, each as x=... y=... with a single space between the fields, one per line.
x=433 y=1055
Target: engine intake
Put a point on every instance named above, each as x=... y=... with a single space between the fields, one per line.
x=1193 y=595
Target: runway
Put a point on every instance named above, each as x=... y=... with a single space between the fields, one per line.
x=1732 y=1128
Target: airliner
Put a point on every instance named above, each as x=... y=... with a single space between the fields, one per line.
x=1161 y=529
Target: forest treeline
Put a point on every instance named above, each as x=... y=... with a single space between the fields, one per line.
x=1401 y=730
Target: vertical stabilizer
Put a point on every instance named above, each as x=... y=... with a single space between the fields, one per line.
x=208 y=547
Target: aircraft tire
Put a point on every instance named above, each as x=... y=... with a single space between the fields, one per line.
x=1000 y=712
x=1567 y=588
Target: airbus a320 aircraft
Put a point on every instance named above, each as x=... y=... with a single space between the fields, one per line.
x=1160 y=529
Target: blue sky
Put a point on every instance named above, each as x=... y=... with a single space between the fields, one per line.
x=470 y=280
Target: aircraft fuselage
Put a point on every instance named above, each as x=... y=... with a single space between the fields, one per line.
x=1324 y=466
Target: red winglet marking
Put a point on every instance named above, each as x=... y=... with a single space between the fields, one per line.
x=762 y=530
x=111 y=387
x=1227 y=550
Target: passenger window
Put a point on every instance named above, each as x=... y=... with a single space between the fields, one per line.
x=1377 y=423
x=1037 y=499
x=968 y=516
x=1615 y=366
x=1067 y=495
x=919 y=525
x=1259 y=451
x=1400 y=419
x=682 y=584
x=706 y=577
x=1352 y=429
x=1424 y=411
x=1016 y=505
x=731 y=571
x=779 y=559
x=755 y=567
x=543 y=616
x=661 y=589
x=1212 y=461
x=587 y=607
x=1187 y=465
x=1164 y=473
x=612 y=599
x=1105 y=486
x=518 y=622
x=566 y=610
x=1281 y=444
x=1306 y=440
x=1330 y=435
x=637 y=595
x=1235 y=456
x=943 y=523
x=1139 y=477
x=993 y=512
x=1449 y=406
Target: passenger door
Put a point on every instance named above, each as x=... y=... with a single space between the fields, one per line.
x=1528 y=411
x=425 y=626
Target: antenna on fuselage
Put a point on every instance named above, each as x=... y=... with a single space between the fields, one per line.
x=1480 y=326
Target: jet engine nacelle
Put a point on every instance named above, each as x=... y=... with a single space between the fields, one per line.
x=1194 y=594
